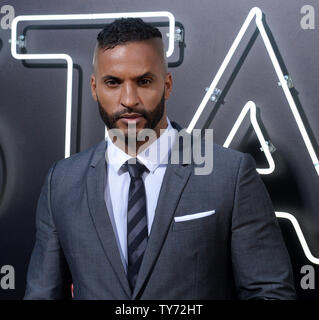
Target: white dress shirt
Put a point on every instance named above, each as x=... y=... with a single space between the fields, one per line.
x=155 y=158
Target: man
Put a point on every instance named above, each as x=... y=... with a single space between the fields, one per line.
x=153 y=229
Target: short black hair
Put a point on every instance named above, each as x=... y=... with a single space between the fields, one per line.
x=126 y=30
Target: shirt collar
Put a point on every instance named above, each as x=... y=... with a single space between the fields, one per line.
x=152 y=157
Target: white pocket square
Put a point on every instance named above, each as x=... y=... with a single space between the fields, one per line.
x=194 y=216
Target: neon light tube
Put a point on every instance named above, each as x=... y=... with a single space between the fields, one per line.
x=251 y=107
x=293 y=220
x=256 y=12
x=68 y=59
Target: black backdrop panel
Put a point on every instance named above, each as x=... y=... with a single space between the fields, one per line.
x=33 y=95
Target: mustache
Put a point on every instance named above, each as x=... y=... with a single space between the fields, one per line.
x=120 y=113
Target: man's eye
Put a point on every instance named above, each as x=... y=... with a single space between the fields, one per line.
x=144 y=82
x=111 y=83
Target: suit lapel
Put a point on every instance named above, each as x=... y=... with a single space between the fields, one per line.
x=95 y=188
x=174 y=181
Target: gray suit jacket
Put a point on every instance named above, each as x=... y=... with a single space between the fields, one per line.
x=237 y=252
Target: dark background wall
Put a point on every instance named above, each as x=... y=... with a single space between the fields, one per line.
x=32 y=107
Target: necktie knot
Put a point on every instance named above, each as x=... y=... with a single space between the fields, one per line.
x=135 y=170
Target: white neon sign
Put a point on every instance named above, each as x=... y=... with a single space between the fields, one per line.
x=257 y=13
x=68 y=59
x=301 y=238
x=251 y=108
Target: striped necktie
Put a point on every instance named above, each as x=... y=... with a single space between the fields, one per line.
x=136 y=221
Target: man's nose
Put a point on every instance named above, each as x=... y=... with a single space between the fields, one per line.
x=129 y=96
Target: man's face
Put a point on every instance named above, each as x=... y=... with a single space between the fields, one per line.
x=131 y=85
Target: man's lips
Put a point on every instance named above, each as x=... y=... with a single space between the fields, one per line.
x=131 y=117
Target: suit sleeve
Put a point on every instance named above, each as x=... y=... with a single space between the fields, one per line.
x=48 y=276
x=261 y=263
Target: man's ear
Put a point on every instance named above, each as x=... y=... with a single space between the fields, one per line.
x=93 y=87
x=168 y=85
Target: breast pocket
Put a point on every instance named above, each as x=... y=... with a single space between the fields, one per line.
x=194 y=220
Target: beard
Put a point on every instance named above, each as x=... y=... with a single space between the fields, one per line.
x=152 y=117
